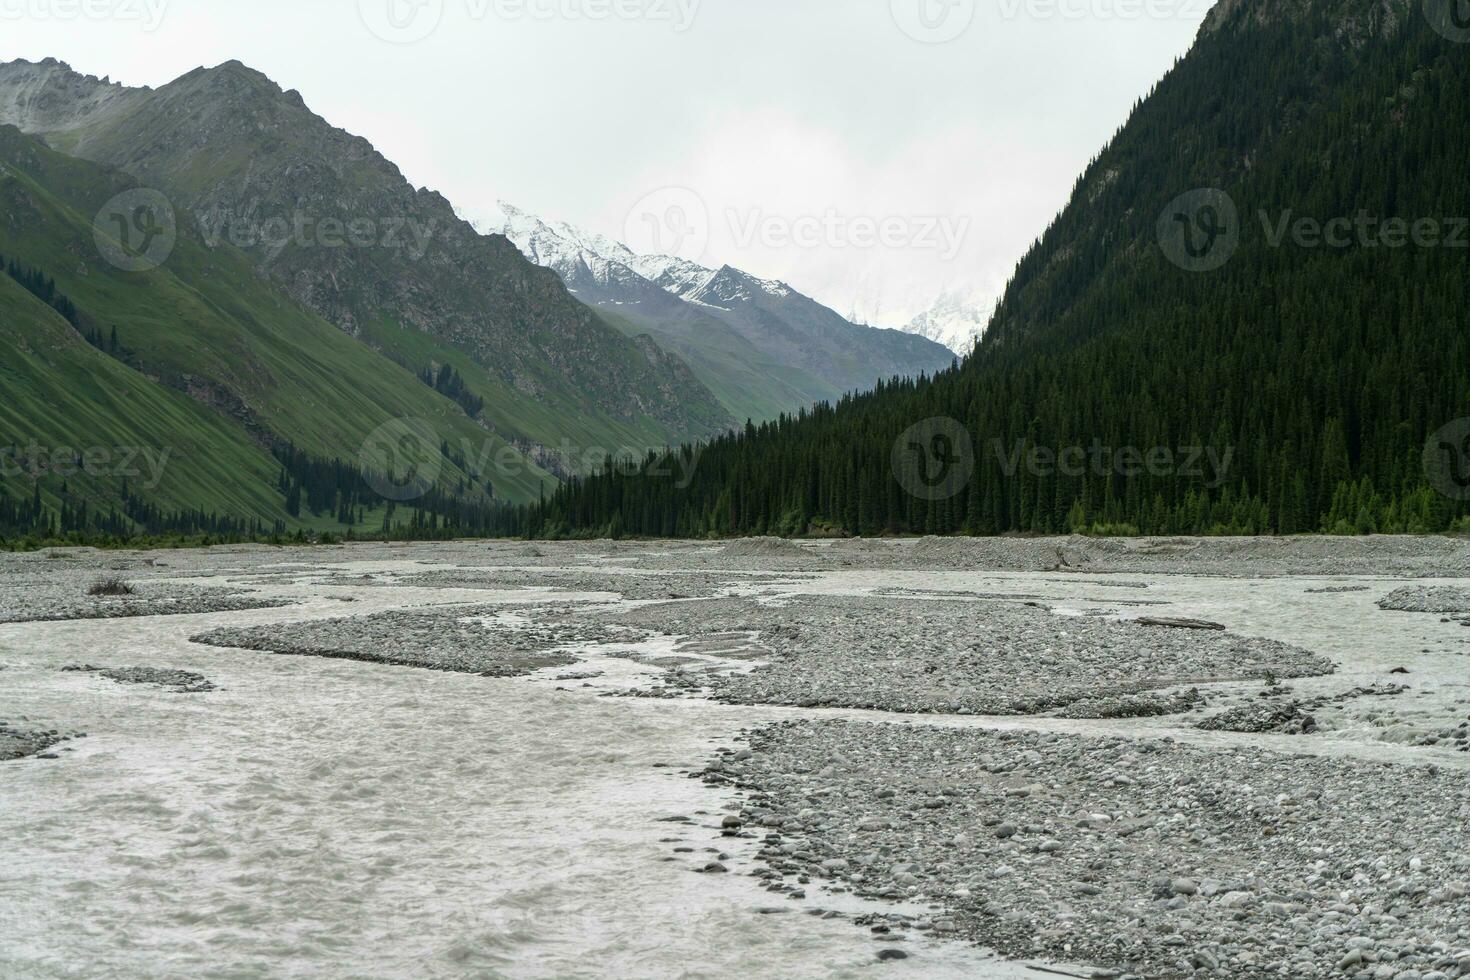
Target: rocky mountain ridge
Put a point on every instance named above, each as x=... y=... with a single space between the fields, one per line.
x=262 y=171
x=834 y=355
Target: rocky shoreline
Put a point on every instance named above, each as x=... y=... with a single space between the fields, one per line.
x=1145 y=858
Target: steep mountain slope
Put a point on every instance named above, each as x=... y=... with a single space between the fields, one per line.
x=338 y=227
x=61 y=393
x=209 y=328
x=1250 y=317
x=749 y=382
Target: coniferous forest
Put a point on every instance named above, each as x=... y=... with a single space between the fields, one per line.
x=1296 y=388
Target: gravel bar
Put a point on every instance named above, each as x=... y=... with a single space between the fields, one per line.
x=956 y=657
x=53 y=600
x=1145 y=858
x=468 y=641
x=175 y=681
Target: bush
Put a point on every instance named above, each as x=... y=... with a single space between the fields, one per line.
x=111 y=587
x=1113 y=531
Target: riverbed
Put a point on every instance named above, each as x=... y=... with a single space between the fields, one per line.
x=330 y=817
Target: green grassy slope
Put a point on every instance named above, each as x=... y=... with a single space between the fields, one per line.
x=205 y=322
x=60 y=393
x=234 y=149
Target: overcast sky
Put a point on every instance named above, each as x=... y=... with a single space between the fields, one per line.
x=872 y=153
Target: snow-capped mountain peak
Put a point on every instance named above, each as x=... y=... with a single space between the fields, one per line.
x=954 y=321
x=727 y=320
x=571 y=252
x=955 y=318
x=671 y=273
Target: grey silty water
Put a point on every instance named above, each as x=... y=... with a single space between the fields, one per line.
x=319 y=817
x=324 y=818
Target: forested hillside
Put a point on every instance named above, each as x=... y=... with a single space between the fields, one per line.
x=1260 y=288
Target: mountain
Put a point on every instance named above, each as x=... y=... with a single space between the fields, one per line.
x=954 y=321
x=201 y=359
x=762 y=346
x=337 y=227
x=749 y=383
x=955 y=318
x=797 y=329
x=1249 y=318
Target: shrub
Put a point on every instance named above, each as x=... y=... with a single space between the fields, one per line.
x=111 y=587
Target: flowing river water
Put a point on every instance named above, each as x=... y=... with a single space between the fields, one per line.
x=321 y=817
